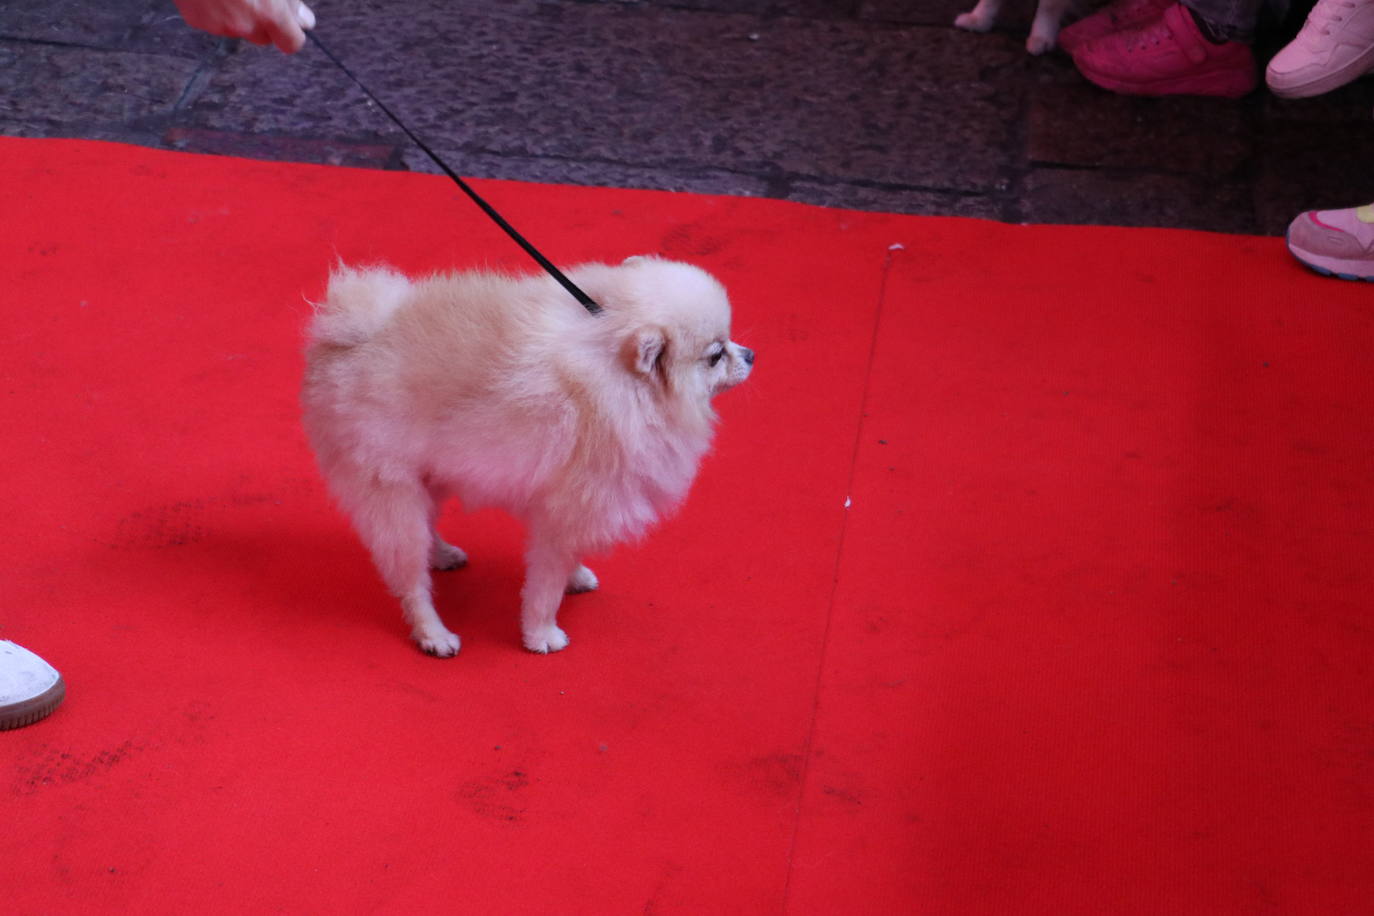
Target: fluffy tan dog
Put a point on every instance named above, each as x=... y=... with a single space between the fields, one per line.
x=504 y=392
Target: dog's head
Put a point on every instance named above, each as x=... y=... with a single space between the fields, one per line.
x=678 y=330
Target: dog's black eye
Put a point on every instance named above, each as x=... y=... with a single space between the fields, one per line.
x=715 y=357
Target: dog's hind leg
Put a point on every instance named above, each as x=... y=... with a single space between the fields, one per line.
x=548 y=573
x=581 y=580
x=442 y=554
x=395 y=521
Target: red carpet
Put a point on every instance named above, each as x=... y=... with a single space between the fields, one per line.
x=1030 y=574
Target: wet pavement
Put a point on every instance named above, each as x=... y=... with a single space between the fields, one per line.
x=869 y=104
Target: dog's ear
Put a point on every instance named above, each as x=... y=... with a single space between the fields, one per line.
x=645 y=351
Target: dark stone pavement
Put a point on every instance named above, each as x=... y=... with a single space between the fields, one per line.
x=870 y=104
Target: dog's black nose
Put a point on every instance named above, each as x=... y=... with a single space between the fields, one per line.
x=748 y=355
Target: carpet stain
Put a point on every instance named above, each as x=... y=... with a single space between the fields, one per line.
x=173 y=525
x=691 y=241
x=52 y=766
x=496 y=799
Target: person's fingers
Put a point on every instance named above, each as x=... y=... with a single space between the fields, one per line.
x=258 y=36
x=195 y=15
x=262 y=22
x=228 y=21
x=286 y=35
x=282 y=19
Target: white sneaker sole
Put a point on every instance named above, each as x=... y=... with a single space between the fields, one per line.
x=27 y=712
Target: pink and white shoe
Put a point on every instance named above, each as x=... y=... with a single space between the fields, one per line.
x=1334 y=46
x=1168 y=56
x=1122 y=14
x=1337 y=243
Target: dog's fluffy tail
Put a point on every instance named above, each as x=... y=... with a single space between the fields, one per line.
x=358 y=303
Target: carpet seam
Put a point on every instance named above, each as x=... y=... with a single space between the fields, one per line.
x=859 y=428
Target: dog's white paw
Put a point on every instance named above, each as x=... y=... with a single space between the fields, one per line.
x=546 y=640
x=582 y=580
x=446 y=556
x=1039 y=44
x=972 y=22
x=440 y=643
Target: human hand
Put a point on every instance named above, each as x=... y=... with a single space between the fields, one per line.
x=278 y=22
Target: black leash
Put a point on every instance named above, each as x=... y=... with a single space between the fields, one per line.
x=587 y=302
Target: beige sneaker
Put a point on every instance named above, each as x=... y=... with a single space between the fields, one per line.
x=1335 y=45
x=30 y=688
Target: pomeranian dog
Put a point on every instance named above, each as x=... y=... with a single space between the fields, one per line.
x=502 y=391
x=1044 y=28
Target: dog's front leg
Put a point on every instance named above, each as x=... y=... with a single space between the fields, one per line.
x=547 y=571
x=981 y=18
x=1045 y=27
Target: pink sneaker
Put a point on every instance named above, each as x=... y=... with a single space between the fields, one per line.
x=1337 y=243
x=1123 y=14
x=1168 y=57
x=1335 y=45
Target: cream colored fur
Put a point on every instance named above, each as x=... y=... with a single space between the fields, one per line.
x=504 y=392
x=1044 y=30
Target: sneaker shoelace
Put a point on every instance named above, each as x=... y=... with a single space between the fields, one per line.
x=1150 y=36
x=1327 y=12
